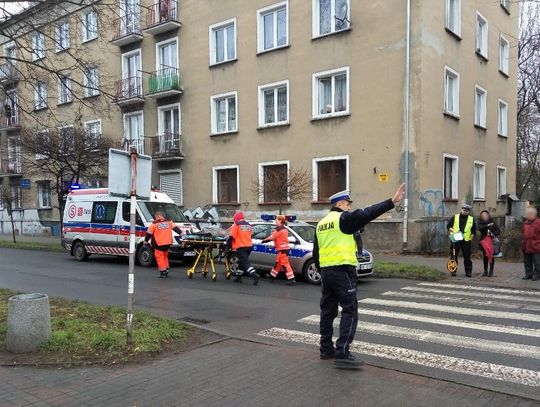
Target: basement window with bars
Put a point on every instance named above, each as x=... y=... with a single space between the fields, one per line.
x=332 y=177
x=226 y=185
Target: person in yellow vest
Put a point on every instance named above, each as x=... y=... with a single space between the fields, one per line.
x=334 y=252
x=463 y=222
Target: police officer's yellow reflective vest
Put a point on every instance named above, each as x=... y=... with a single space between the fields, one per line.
x=335 y=247
x=467 y=235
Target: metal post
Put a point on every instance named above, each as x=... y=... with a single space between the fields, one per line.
x=131 y=275
x=406 y=125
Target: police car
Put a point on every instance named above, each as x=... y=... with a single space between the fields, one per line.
x=301 y=238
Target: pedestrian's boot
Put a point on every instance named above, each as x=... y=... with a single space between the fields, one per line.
x=490 y=274
x=238 y=279
x=349 y=362
x=163 y=274
x=527 y=278
x=291 y=281
x=485 y=273
x=535 y=278
x=255 y=278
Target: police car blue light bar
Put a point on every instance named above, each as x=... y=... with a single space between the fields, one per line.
x=268 y=217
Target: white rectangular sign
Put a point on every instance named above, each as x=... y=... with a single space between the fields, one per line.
x=120 y=174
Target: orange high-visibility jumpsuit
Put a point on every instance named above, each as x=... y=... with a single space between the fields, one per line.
x=160 y=231
x=281 y=243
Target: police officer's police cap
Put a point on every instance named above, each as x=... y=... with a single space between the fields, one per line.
x=341 y=196
x=466 y=206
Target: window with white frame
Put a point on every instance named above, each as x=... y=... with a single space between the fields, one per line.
x=331 y=175
x=38 y=46
x=479 y=181
x=40 y=95
x=169 y=119
x=481 y=35
x=224 y=110
x=274 y=182
x=16 y=197
x=167 y=57
x=501 y=182
x=66 y=145
x=64 y=89
x=451 y=92
x=480 y=107
x=91 y=81
x=504 y=53
x=89 y=26
x=274 y=104
x=61 y=36
x=92 y=134
x=331 y=93
x=450 y=177
x=502 y=115
x=43 y=141
x=44 y=194
x=222 y=42
x=134 y=131
x=273 y=27
x=330 y=16
x=453 y=16
x=226 y=185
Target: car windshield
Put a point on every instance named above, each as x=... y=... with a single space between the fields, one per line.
x=306 y=232
x=169 y=210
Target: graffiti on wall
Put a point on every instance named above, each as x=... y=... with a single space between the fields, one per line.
x=206 y=218
x=432 y=202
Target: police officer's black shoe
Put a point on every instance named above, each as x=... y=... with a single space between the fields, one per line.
x=527 y=278
x=328 y=356
x=350 y=362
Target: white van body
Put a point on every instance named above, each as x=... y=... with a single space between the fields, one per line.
x=96 y=222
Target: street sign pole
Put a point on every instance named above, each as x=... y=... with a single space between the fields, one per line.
x=131 y=274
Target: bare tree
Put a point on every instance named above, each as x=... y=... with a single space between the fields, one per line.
x=8 y=201
x=279 y=186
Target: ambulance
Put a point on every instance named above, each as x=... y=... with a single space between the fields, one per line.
x=96 y=222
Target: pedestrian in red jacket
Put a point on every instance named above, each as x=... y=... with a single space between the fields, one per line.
x=280 y=236
x=531 y=245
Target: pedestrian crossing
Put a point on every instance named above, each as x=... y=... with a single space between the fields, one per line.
x=483 y=332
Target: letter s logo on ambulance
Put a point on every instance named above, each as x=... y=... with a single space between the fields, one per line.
x=72 y=211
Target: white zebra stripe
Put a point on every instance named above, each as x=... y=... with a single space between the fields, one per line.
x=471 y=294
x=484 y=289
x=493 y=371
x=468 y=301
x=458 y=341
x=453 y=310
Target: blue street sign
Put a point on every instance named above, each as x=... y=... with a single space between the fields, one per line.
x=25 y=183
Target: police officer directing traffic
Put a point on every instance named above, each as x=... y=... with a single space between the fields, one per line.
x=334 y=252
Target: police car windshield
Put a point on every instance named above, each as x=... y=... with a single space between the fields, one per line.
x=306 y=232
x=169 y=210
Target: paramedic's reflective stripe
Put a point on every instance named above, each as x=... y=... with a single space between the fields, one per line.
x=117 y=251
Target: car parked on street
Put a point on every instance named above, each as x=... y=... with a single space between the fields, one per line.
x=301 y=238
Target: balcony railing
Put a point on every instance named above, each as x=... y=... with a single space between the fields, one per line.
x=165 y=82
x=8 y=73
x=162 y=16
x=10 y=121
x=163 y=146
x=128 y=143
x=127 y=29
x=129 y=91
x=10 y=167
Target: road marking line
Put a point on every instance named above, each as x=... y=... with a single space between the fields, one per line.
x=485 y=289
x=493 y=371
x=454 y=310
x=471 y=294
x=458 y=341
x=468 y=301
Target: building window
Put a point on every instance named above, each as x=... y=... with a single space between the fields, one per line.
x=91 y=82
x=501 y=182
x=44 y=194
x=451 y=92
x=274 y=104
x=40 y=96
x=273 y=27
x=14 y=155
x=61 y=36
x=504 y=53
x=222 y=42
x=502 y=118
x=453 y=16
x=66 y=142
x=224 y=110
x=169 y=119
x=89 y=26
x=11 y=108
x=479 y=181
x=330 y=16
x=16 y=197
x=92 y=134
x=226 y=185
x=450 y=175
x=64 y=90
x=331 y=175
x=170 y=182
x=331 y=93
x=167 y=56
x=480 y=107
x=481 y=35
x=134 y=131
x=38 y=46
x=274 y=182
x=43 y=140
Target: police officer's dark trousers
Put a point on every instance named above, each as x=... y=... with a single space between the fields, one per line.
x=465 y=247
x=338 y=288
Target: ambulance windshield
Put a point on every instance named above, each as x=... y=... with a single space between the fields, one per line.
x=170 y=210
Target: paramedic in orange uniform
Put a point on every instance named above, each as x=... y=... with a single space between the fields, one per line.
x=280 y=236
x=160 y=231
x=240 y=241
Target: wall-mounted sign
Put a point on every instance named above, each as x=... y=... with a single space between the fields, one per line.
x=384 y=177
x=25 y=183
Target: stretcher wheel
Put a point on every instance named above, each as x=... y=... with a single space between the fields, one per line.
x=214 y=277
x=205 y=273
x=452 y=266
x=228 y=275
x=190 y=274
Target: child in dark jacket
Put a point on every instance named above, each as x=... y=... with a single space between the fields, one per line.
x=488 y=231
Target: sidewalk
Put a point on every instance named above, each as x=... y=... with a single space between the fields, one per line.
x=236 y=373
x=32 y=239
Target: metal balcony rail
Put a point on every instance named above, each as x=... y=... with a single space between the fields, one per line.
x=164 y=80
x=10 y=167
x=161 y=12
x=8 y=71
x=126 y=25
x=128 y=88
x=166 y=145
x=128 y=143
x=10 y=120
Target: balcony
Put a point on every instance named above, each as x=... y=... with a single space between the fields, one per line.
x=127 y=30
x=166 y=146
x=9 y=74
x=162 y=17
x=10 y=122
x=10 y=168
x=128 y=143
x=129 y=91
x=164 y=83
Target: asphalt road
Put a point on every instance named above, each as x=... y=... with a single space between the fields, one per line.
x=479 y=336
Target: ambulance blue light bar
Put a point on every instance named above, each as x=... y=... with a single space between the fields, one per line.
x=268 y=217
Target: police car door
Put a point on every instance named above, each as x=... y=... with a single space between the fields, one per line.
x=104 y=229
x=262 y=254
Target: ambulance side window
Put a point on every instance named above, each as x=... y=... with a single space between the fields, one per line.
x=104 y=212
x=125 y=214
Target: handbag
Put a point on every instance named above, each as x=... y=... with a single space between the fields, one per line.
x=497 y=247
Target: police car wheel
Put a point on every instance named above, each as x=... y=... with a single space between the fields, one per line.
x=145 y=256
x=234 y=262
x=79 y=252
x=311 y=273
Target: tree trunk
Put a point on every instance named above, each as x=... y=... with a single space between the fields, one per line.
x=12 y=226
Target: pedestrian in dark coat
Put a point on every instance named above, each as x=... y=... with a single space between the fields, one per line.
x=488 y=231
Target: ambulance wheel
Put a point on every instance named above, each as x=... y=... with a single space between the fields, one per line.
x=145 y=256
x=79 y=252
x=311 y=273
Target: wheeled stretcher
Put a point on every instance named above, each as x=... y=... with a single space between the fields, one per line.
x=208 y=249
